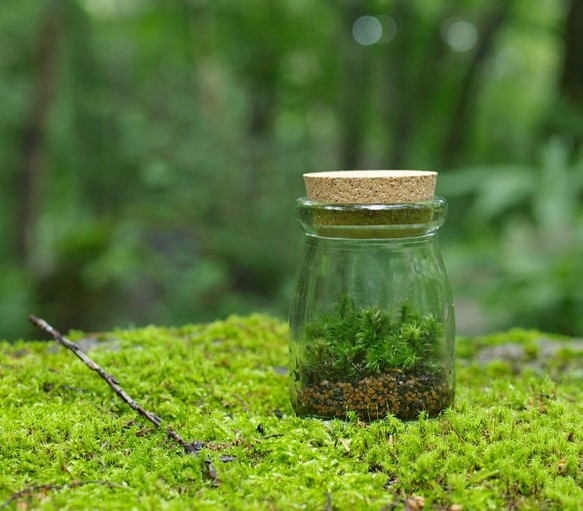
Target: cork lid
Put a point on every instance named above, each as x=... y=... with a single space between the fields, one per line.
x=370 y=186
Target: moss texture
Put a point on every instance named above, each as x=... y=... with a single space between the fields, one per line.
x=514 y=439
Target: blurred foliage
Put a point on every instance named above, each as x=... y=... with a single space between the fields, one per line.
x=522 y=247
x=152 y=151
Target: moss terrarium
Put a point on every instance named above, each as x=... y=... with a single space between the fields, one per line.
x=371 y=323
x=372 y=362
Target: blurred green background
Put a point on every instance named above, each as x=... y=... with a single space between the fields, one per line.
x=151 y=151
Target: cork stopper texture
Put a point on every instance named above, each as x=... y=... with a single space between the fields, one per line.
x=370 y=186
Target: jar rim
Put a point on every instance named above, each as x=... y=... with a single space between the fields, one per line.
x=371 y=221
x=437 y=201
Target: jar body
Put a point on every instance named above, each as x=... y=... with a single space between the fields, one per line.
x=371 y=322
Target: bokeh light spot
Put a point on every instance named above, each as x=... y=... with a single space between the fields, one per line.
x=389 y=28
x=460 y=35
x=367 y=30
x=105 y=9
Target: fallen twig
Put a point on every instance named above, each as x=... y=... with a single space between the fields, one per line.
x=212 y=473
x=189 y=447
x=328 y=505
x=41 y=488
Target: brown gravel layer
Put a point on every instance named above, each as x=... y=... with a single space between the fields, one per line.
x=403 y=395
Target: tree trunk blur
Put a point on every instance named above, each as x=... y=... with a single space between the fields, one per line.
x=572 y=76
x=459 y=126
x=31 y=177
x=399 y=102
x=354 y=78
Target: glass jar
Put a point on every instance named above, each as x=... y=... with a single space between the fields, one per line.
x=372 y=320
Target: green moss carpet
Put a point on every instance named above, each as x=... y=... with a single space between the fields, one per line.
x=514 y=439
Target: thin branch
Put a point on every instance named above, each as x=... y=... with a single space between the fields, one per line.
x=31 y=490
x=189 y=447
x=456 y=432
x=211 y=471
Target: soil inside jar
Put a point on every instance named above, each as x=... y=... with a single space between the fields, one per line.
x=396 y=392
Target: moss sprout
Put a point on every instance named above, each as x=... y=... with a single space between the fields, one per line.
x=358 y=343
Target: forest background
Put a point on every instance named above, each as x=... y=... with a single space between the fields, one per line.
x=151 y=151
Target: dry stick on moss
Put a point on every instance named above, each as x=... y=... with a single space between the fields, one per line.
x=31 y=490
x=189 y=447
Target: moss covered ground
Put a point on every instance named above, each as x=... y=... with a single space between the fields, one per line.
x=514 y=439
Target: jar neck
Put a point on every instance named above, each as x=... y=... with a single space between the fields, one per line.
x=372 y=221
